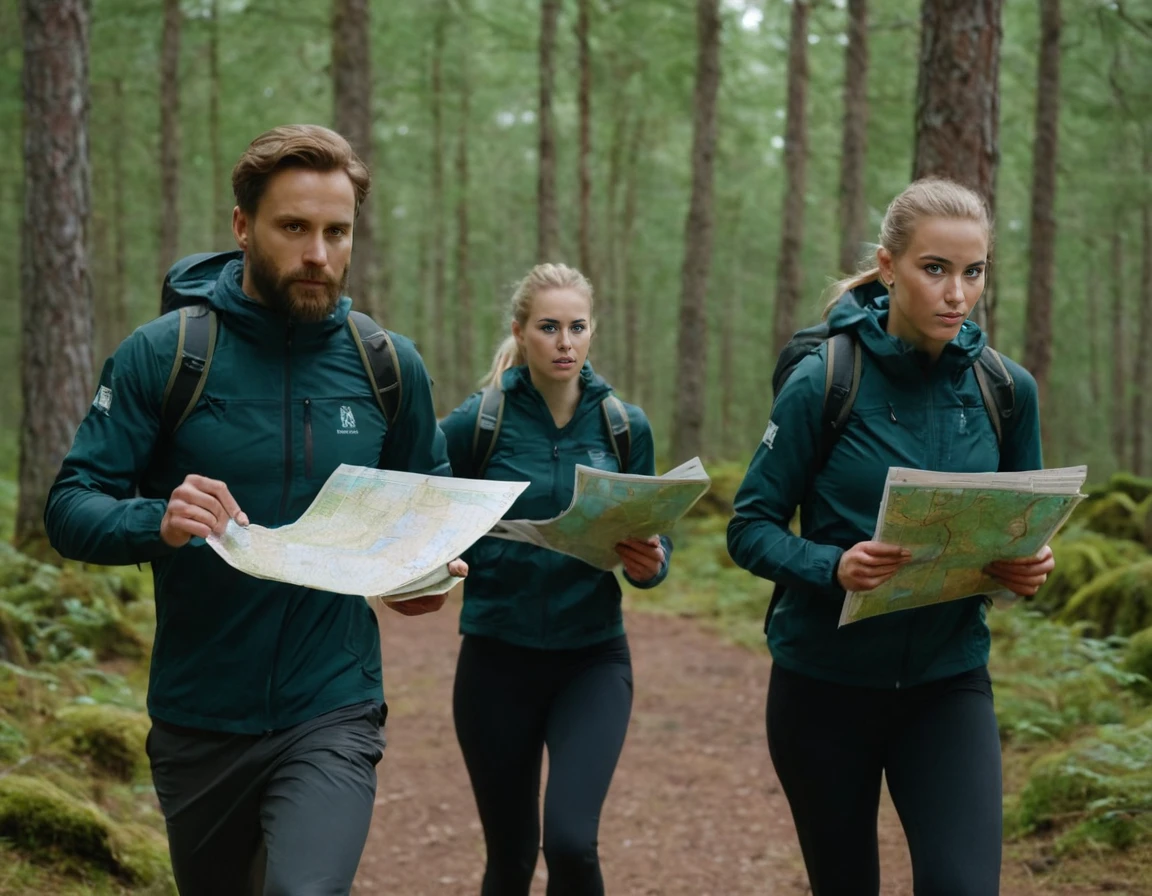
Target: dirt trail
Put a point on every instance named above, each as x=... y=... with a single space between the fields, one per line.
x=695 y=808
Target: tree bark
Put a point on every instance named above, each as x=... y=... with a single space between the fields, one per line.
x=1120 y=325
x=1042 y=251
x=1140 y=373
x=56 y=289
x=855 y=138
x=692 y=348
x=1095 y=313
x=584 y=171
x=789 y=270
x=465 y=335
x=220 y=230
x=438 y=333
x=169 y=137
x=627 y=297
x=548 y=225
x=352 y=100
x=958 y=93
x=958 y=99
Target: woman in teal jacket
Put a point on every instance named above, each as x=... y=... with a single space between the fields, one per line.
x=544 y=661
x=904 y=696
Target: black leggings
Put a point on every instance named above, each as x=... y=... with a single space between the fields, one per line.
x=509 y=703
x=938 y=747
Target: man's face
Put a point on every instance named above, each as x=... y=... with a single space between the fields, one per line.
x=298 y=242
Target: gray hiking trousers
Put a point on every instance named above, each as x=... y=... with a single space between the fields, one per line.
x=278 y=814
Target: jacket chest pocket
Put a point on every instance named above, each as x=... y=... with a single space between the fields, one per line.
x=334 y=431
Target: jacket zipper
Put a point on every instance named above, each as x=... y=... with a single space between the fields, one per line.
x=555 y=481
x=287 y=426
x=283 y=497
x=308 y=438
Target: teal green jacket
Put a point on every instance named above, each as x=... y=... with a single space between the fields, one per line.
x=908 y=413
x=520 y=593
x=283 y=405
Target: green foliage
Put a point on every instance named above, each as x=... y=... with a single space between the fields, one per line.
x=48 y=613
x=1098 y=793
x=1119 y=601
x=1081 y=556
x=53 y=826
x=110 y=737
x=1051 y=681
x=1138 y=659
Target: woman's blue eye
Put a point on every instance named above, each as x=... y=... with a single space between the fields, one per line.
x=934 y=269
x=578 y=327
x=974 y=272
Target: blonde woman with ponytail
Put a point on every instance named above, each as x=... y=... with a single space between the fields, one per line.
x=544 y=662
x=905 y=697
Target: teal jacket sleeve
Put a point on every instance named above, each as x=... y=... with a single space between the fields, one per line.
x=93 y=512
x=459 y=428
x=1021 y=448
x=416 y=444
x=778 y=478
x=642 y=460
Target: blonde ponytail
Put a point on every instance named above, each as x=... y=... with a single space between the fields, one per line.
x=509 y=355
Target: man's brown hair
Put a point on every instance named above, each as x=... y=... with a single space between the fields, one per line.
x=307 y=146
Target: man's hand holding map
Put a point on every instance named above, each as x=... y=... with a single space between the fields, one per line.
x=377 y=533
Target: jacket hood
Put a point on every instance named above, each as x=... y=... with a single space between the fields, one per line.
x=864 y=311
x=217 y=279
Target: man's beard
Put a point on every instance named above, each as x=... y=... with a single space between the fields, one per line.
x=296 y=301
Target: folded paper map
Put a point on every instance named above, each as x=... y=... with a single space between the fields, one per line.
x=608 y=508
x=376 y=533
x=955 y=524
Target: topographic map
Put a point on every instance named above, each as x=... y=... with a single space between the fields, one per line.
x=955 y=524
x=377 y=533
x=608 y=508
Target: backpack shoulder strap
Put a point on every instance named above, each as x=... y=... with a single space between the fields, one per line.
x=194 y=347
x=841 y=383
x=378 y=355
x=997 y=388
x=616 y=419
x=489 y=416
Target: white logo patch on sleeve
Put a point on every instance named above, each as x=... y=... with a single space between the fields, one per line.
x=103 y=399
x=770 y=434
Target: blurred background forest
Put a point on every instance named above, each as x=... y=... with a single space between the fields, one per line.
x=713 y=165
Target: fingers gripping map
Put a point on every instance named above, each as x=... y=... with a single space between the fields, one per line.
x=955 y=524
x=376 y=533
x=608 y=508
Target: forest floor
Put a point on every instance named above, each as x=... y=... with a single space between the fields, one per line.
x=695 y=808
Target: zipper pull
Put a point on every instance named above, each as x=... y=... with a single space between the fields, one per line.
x=555 y=452
x=892 y=413
x=963 y=421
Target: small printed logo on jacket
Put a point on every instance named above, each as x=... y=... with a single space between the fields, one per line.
x=103 y=399
x=347 y=422
x=770 y=434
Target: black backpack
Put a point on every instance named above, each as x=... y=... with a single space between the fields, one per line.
x=491 y=415
x=842 y=381
x=197 y=340
x=842 y=374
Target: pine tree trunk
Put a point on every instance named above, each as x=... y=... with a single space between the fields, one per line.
x=120 y=219
x=1042 y=251
x=169 y=137
x=627 y=296
x=352 y=98
x=1095 y=313
x=1140 y=382
x=789 y=269
x=855 y=140
x=465 y=337
x=692 y=345
x=220 y=229
x=548 y=226
x=958 y=93
x=55 y=286
x=1119 y=403
x=584 y=171
x=958 y=99
x=438 y=334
